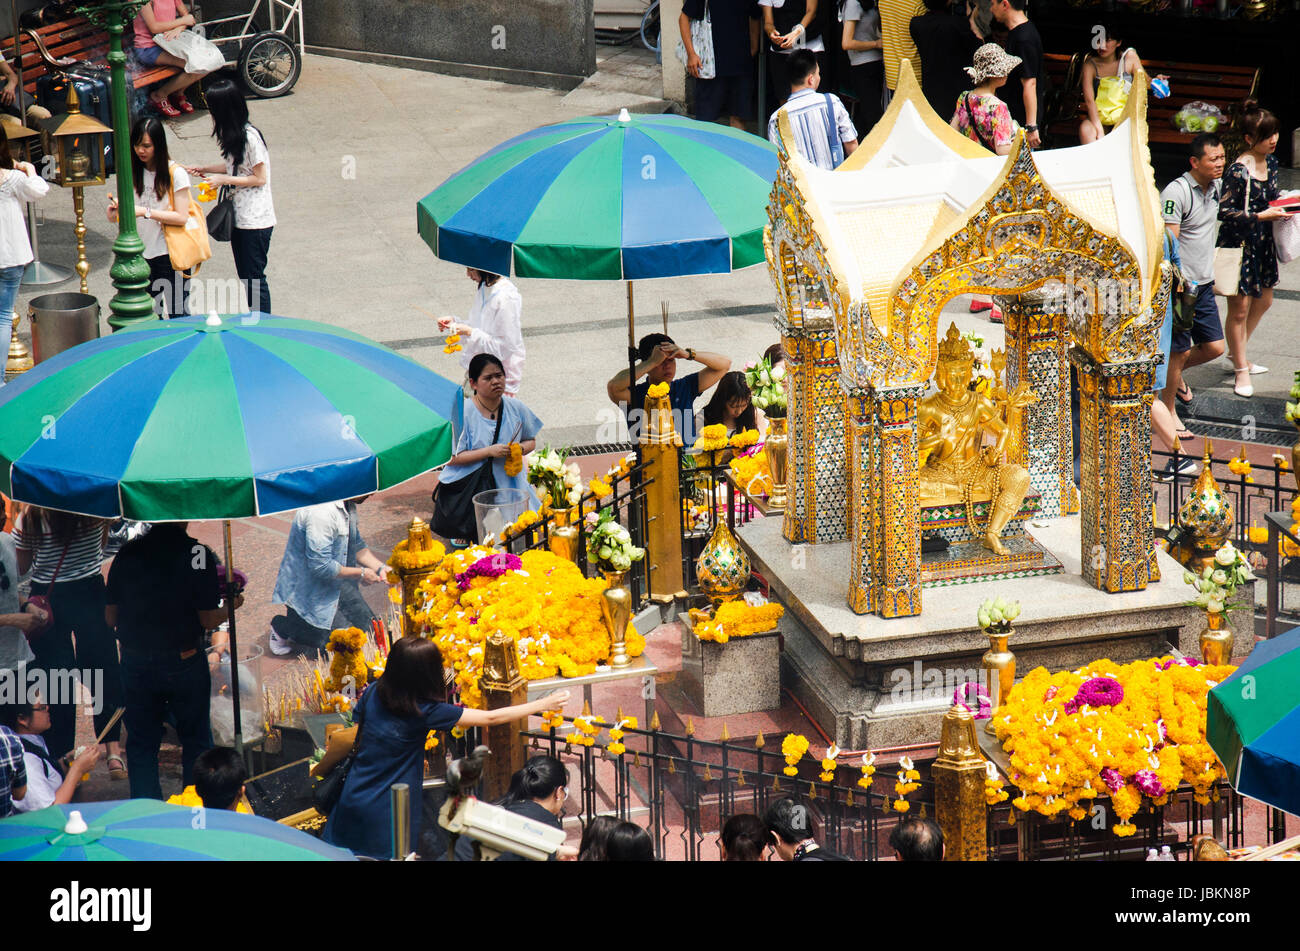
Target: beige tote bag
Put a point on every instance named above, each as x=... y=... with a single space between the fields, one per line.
x=1227 y=261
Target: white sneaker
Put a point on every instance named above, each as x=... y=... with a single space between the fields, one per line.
x=280 y=646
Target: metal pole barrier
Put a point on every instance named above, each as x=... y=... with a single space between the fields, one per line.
x=400 y=800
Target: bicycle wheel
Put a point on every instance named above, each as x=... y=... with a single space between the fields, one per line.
x=269 y=65
x=650 y=27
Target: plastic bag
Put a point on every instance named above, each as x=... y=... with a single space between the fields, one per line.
x=1199 y=117
x=201 y=55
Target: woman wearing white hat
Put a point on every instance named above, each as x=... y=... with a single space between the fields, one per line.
x=980 y=114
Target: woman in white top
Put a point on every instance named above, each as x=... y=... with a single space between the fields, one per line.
x=155 y=205
x=493 y=326
x=19 y=183
x=248 y=169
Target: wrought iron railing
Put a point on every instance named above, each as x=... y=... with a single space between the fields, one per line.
x=627 y=498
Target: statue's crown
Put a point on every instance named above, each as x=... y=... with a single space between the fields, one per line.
x=955 y=347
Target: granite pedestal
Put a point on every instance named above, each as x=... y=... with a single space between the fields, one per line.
x=873 y=682
x=740 y=676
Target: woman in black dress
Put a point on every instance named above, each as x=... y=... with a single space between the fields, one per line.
x=1246 y=221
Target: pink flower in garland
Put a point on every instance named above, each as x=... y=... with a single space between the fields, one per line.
x=490 y=566
x=1051 y=693
x=1112 y=778
x=1097 y=692
x=1150 y=784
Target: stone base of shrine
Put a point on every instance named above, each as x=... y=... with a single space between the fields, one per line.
x=872 y=682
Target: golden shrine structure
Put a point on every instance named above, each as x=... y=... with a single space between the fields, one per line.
x=863 y=259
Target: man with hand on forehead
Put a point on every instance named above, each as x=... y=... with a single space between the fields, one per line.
x=658 y=355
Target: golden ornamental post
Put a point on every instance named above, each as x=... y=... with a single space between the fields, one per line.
x=415 y=559
x=502 y=686
x=663 y=499
x=959 y=801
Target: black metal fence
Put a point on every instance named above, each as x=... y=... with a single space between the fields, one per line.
x=627 y=499
x=682 y=790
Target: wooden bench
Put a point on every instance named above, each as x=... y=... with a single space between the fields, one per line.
x=1222 y=86
x=40 y=50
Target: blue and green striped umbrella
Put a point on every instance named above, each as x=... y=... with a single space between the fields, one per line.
x=608 y=198
x=196 y=419
x=1253 y=723
x=146 y=829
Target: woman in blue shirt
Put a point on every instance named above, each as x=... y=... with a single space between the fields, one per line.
x=394 y=718
x=474 y=443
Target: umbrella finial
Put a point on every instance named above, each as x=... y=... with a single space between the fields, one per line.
x=624 y=115
x=213 y=320
x=76 y=825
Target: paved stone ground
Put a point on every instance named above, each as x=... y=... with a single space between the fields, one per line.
x=353 y=148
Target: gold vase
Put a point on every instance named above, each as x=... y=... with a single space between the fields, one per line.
x=723 y=566
x=564 y=535
x=19 y=359
x=1000 y=664
x=616 y=611
x=1216 y=640
x=774 y=448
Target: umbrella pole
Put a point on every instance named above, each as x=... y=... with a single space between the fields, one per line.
x=234 y=647
x=631 y=364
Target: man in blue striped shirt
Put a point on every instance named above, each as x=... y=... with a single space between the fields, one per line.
x=823 y=132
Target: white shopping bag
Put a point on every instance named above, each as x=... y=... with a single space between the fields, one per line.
x=200 y=54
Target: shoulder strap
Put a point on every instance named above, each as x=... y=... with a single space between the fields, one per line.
x=55 y=576
x=501 y=413
x=41 y=754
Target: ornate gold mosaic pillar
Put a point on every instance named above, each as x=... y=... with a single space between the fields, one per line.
x=818 y=490
x=1037 y=345
x=885 y=573
x=1117 y=545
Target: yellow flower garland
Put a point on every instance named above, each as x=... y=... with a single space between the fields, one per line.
x=737 y=619
x=514 y=463
x=744 y=439
x=793 y=747
x=548 y=607
x=752 y=473
x=1058 y=757
x=712 y=438
x=657 y=390
x=402 y=559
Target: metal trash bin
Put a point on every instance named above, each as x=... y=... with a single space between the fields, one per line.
x=60 y=321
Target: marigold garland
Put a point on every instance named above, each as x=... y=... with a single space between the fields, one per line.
x=793 y=747
x=453 y=344
x=752 y=473
x=868 y=768
x=348 y=659
x=403 y=559
x=712 y=438
x=744 y=439
x=546 y=605
x=431 y=741
x=827 y=774
x=657 y=390
x=1142 y=743
x=738 y=619
x=514 y=463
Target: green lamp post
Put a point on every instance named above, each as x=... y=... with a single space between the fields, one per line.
x=131 y=304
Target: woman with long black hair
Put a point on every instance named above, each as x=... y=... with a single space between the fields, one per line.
x=161 y=187
x=731 y=405
x=247 y=168
x=394 y=718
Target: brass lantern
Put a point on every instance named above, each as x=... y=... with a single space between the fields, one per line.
x=78 y=141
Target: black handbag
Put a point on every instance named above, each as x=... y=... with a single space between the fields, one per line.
x=453 y=502
x=221 y=217
x=326 y=790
